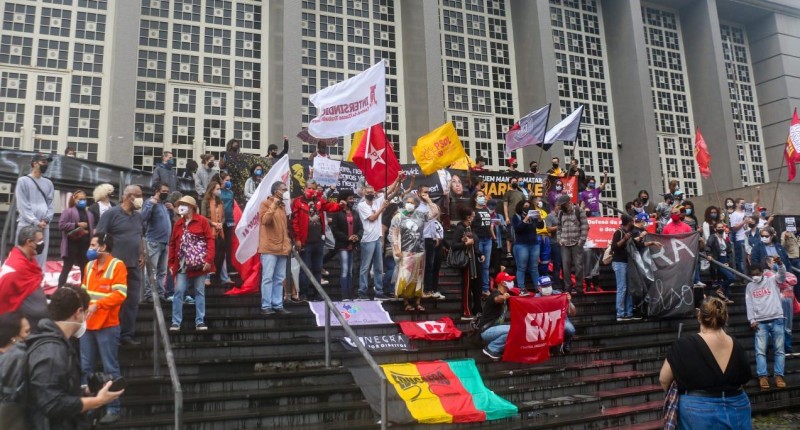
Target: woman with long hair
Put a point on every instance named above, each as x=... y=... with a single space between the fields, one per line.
x=102 y=201
x=526 y=222
x=464 y=240
x=250 y=185
x=709 y=369
x=710 y=219
x=212 y=208
x=76 y=224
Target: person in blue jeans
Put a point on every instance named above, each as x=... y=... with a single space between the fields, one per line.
x=493 y=323
x=765 y=314
x=347 y=232
x=526 y=247
x=619 y=262
x=274 y=246
x=482 y=227
x=157 y=217
x=718 y=248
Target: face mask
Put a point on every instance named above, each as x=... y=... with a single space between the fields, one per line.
x=91 y=254
x=138 y=202
x=766 y=239
x=638 y=210
x=39 y=247
x=546 y=291
x=514 y=185
x=217 y=193
x=259 y=172
x=286 y=195
x=751 y=224
x=756 y=279
x=163 y=196
x=775 y=267
x=42 y=168
x=82 y=330
x=712 y=215
x=525 y=209
x=81 y=204
x=555 y=165
x=350 y=204
x=183 y=210
x=310 y=194
x=764 y=214
x=559 y=188
x=688 y=211
x=273 y=154
x=644 y=200
x=675 y=217
x=228 y=185
x=410 y=207
x=514 y=165
x=540 y=204
x=235 y=149
x=741 y=206
x=481 y=201
x=591 y=185
x=721 y=231
x=171 y=162
x=534 y=169
x=670 y=202
x=369 y=197
x=729 y=205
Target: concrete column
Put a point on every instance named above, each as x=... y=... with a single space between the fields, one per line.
x=536 y=78
x=421 y=71
x=711 y=102
x=775 y=51
x=284 y=65
x=121 y=105
x=632 y=96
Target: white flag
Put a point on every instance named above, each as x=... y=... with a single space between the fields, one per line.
x=352 y=105
x=247 y=230
x=566 y=130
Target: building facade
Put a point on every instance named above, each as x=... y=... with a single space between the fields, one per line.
x=123 y=81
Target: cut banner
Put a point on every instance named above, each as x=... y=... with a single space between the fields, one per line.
x=355 y=313
x=433 y=392
x=537 y=323
x=443 y=329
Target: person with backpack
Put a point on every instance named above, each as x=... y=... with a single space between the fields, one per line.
x=55 y=399
x=14 y=329
x=572 y=233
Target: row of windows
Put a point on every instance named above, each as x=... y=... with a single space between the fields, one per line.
x=52 y=54
x=382 y=10
x=80 y=123
x=83 y=90
x=54 y=22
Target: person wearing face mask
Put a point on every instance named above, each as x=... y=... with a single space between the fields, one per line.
x=76 y=224
x=347 y=232
x=767 y=246
x=512 y=165
x=213 y=209
x=533 y=167
x=555 y=170
x=511 y=199
x=21 y=277
x=55 y=398
x=231 y=154
x=729 y=207
x=272 y=150
x=676 y=224
x=192 y=248
x=274 y=245
x=648 y=205
x=719 y=248
x=590 y=197
x=124 y=225
x=710 y=220
x=555 y=192
x=482 y=227
x=34 y=197
x=370 y=210
x=738 y=227
x=545 y=248
x=105 y=282
x=228 y=200
x=575 y=170
x=764 y=219
x=572 y=232
x=751 y=236
x=157 y=216
x=256 y=173
x=664 y=211
x=546 y=289
x=101 y=195
x=525 y=223
x=205 y=172
x=764 y=311
x=164 y=173
x=493 y=324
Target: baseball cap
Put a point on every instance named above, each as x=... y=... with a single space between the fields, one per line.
x=503 y=277
x=643 y=217
x=545 y=281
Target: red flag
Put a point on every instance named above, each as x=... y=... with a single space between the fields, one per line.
x=537 y=323
x=443 y=329
x=702 y=155
x=19 y=277
x=250 y=270
x=570 y=185
x=375 y=157
x=792 y=152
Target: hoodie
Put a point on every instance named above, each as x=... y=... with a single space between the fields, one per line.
x=54 y=392
x=164 y=174
x=763 y=298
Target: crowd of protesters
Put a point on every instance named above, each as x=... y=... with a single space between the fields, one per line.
x=398 y=235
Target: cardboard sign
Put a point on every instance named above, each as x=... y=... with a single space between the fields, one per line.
x=790 y=224
x=601 y=231
x=326 y=171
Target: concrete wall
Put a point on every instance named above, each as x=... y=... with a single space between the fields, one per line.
x=284 y=73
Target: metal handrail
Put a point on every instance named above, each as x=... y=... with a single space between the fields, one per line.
x=364 y=353
x=160 y=329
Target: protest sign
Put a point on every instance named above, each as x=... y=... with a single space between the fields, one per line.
x=326 y=171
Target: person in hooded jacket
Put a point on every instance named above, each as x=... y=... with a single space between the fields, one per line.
x=164 y=172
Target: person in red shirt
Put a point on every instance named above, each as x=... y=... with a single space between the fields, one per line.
x=105 y=281
x=308 y=225
x=21 y=277
x=676 y=224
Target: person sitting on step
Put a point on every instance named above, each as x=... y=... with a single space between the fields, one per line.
x=493 y=324
x=546 y=289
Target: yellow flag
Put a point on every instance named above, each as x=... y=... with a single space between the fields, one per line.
x=438 y=149
x=463 y=164
x=354 y=144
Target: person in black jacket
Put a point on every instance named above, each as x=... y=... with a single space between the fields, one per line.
x=719 y=248
x=347 y=231
x=55 y=396
x=463 y=240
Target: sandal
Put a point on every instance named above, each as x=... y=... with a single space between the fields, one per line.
x=420 y=308
x=409 y=308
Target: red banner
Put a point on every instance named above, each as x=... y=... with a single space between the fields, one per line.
x=443 y=329
x=571 y=188
x=601 y=230
x=537 y=323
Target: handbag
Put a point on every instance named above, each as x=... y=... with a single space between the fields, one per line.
x=457 y=258
x=670 y=409
x=608 y=254
x=193 y=250
x=77 y=234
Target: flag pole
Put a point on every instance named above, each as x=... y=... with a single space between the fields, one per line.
x=778 y=181
x=716 y=190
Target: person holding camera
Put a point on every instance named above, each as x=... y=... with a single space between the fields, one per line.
x=55 y=399
x=525 y=222
x=106 y=282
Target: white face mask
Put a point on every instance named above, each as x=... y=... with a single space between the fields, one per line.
x=539 y=204
x=546 y=291
x=286 y=195
x=82 y=330
x=183 y=210
x=756 y=279
x=766 y=239
x=410 y=207
x=138 y=202
x=509 y=284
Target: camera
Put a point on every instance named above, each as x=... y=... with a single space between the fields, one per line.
x=97 y=380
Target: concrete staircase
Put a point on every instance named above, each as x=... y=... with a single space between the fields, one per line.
x=250 y=372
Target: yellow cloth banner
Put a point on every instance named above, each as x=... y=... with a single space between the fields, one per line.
x=354 y=144
x=423 y=405
x=463 y=164
x=438 y=149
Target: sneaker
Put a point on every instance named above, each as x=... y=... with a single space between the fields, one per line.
x=282 y=311
x=467 y=318
x=174 y=327
x=170 y=298
x=362 y=299
x=267 y=312
x=324 y=282
x=347 y=300
x=623 y=319
x=201 y=327
x=490 y=354
x=297 y=299
x=779 y=382
x=438 y=296
x=110 y=418
x=635 y=318
x=699 y=284
x=381 y=297
x=325 y=272
x=763 y=382
x=189 y=300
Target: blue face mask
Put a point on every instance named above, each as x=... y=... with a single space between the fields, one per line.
x=258 y=172
x=688 y=211
x=763 y=214
x=591 y=185
x=171 y=162
x=228 y=185
x=81 y=204
x=91 y=254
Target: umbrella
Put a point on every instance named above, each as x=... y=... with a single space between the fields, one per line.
x=306 y=137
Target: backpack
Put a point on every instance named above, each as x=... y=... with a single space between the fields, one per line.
x=14 y=384
x=608 y=254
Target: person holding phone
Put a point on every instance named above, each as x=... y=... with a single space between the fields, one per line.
x=525 y=222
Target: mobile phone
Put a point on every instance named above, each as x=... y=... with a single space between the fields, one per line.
x=118 y=384
x=533 y=213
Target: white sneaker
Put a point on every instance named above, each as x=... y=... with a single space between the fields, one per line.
x=324 y=282
x=699 y=284
x=438 y=296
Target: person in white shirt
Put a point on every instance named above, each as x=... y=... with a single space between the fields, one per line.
x=370 y=210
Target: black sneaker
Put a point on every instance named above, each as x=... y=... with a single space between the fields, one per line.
x=491 y=355
x=267 y=312
x=201 y=327
x=282 y=311
x=174 y=328
x=109 y=418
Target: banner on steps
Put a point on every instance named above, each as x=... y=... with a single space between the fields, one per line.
x=355 y=313
x=380 y=342
x=433 y=392
x=442 y=329
x=537 y=323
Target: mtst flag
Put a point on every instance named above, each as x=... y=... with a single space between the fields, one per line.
x=537 y=323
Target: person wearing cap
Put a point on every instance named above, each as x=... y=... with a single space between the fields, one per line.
x=764 y=219
x=493 y=324
x=546 y=289
x=34 y=196
x=639 y=232
x=124 y=224
x=663 y=211
x=191 y=258
x=572 y=233
x=512 y=164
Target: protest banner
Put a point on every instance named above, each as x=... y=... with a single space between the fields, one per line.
x=326 y=171
x=537 y=323
x=601 y=230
